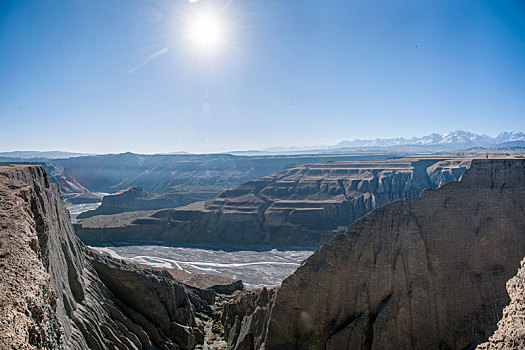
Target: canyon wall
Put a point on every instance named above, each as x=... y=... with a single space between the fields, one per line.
x=303 y=205
x=56 y=293
x=423 y=273
x=511 y=328
x=174 y=180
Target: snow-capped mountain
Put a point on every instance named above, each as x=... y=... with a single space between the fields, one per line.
x=510 y=137
x=455 y=139
x=466 y=138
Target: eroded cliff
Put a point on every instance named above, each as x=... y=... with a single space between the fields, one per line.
x=180 y=179
x=424 y=273
x=511 y=328
x=55 y=293
x=303 y=205
x=245 y=318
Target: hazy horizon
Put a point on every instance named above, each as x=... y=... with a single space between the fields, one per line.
x=151 y=77
x=266 y=149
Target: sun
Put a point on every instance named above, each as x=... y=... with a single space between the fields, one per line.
x=206 y=31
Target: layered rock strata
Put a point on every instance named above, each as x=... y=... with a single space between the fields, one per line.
x=302 y=205
x=185 y=172
x=55 y=293
x=424 y=273
x=180 y=179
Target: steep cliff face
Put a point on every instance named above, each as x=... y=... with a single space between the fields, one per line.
x=302 y=205
x=56 y=293
x=245 y=319
x=68 y=185
x=511 y=328
x=28 y=317
x=181 y=179
x=424 y=273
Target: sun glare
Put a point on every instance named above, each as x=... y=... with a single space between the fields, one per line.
x=206 y=31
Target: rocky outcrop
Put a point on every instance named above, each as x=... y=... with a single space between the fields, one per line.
x=28 y=309
x=71 y=190
x=302 y=205
x=132 y=199
x=55 y=293
x=511 y=328
x=245 y=318
x=424 y=273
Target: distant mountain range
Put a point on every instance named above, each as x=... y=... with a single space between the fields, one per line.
x=458 y=139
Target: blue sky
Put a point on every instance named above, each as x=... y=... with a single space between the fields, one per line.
x=123 y=75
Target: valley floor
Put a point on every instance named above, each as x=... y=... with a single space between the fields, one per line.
x=76 y=209
x=256 y=266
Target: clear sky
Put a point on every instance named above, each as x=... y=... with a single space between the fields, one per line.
x=127 y=75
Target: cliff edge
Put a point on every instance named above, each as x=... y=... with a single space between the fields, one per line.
x=55 y=293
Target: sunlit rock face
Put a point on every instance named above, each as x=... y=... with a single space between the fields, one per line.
x=304 y=205
x=55 y=293
x=424 y=273
x=511 y=328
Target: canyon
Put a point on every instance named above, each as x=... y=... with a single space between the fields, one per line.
x=425 y=268
x=56 y=293
x=169 y=181
x=163 y=181
x=422 y=273
x=303 y=205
